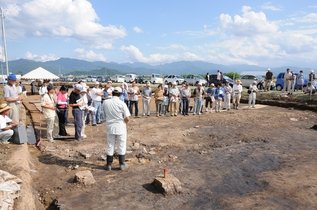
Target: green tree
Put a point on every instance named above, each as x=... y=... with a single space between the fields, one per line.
x=232 y=75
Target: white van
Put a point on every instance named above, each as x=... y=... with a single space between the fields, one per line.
x=117 y=78
x=156 y=79
x=130 y=77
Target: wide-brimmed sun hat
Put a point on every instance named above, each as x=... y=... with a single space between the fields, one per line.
x=4 y=107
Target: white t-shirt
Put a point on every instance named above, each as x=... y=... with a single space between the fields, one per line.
x=94 y=95
x=47 y=100
x=3 y=121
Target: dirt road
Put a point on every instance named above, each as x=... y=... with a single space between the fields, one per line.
x=261 y=158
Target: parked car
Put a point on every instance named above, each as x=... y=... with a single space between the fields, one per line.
x=193 y=79
x=130 y=77
x=156 y=79
x=247 y=80
x=91 y=78
x=174 y=78
x=140 y=79
x=280 y=81
x=213 y=79
x=117 y=78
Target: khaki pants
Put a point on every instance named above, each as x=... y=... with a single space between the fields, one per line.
x=52 y=128
x=267 y=85
x=236 y=100
x=14 y=111
x=173 y=109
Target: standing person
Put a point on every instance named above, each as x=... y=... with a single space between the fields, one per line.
x=61 y=109
x=218 y=77
x=158 y=95
x=291 y=83
x=219 y=95
x=109 y=88
x=146 y=99
x=228 y=91
x=174 y=94
x=11 y=97
x=125 y=93
x=134 y=93
x=96 y=95
x=24 y=92
x=268 y=80
x=237 y=90
x=6 y=131
x=180 y=109
x=210 y=97
x=169 y=86
x=75 y=101
x=43 y=89
x=312 y=77
x=48 y=104
x=33 y=87
x=252 y=96
x=186 y=94
x=287 y=75
x=89 y=113
x=84 y=109
x=199 y=92
x=165 y=100
x=117 y=117
x=207 y=80
x=300 y=81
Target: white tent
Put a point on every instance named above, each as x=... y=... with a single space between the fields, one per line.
x=40 y=73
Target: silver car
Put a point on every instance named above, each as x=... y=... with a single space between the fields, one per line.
x=193 y=79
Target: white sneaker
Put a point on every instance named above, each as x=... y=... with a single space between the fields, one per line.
x=57 y=137
x=206 y=109
x=84 y=136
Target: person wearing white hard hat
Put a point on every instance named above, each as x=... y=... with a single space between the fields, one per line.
x=117 y=116
x=268 y=80
x=252 y=95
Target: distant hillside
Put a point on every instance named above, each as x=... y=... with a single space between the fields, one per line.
x=67 y=66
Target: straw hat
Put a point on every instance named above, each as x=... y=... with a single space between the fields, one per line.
x=4 y=107
x=238 y=81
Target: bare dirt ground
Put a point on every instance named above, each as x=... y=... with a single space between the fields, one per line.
x=262 y=158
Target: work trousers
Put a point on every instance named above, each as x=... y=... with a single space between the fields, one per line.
x=135 y=103
x=62 y=122
x=6 y=135
x=236 y=99
x=84 y=116
x=218 y=104
x=122 y=143
x=52 y=128
x=227 y=101
x=252 y=98
x=185 y=105
x=173 y=109
x=267 y=85
x=146 y=106
x=197 y=105
x=14 y=113
x=77 y=114
x=96 y=114
x=158 y=108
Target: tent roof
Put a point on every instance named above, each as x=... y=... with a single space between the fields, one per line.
x=39 y=73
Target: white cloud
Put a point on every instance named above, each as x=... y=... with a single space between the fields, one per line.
x=174 y=47
x=135 y=55
x=88 y=55
x=269 y=6
x=310 y=18
x=313 y=6
x=54 y=18
x=43 y=58
x=137 y=30
x=249 y=24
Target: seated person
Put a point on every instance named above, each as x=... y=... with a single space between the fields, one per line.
x=310 y=89
x=6 y=131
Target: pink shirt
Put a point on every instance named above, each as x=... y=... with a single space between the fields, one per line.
x=62 y=98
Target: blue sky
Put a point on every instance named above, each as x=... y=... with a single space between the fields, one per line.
x=264 y=33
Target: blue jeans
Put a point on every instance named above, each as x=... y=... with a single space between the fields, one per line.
x=197 y=106
x=136 y=107
x=185 y=102
x=96 y=114
x=78 y=121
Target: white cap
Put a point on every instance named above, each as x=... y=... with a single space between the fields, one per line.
x=117 y=89
x=148 y=83
x=199 y=83
x=174 y=83
x=269 y=69
x=78 y=86
x=96 y=83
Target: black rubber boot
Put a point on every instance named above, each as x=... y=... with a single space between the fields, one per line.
x=109 y=162
x=121 y=162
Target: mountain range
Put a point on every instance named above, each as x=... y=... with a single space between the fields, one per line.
x=68 y=66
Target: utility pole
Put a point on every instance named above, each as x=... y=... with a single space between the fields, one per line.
x=4 y=41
